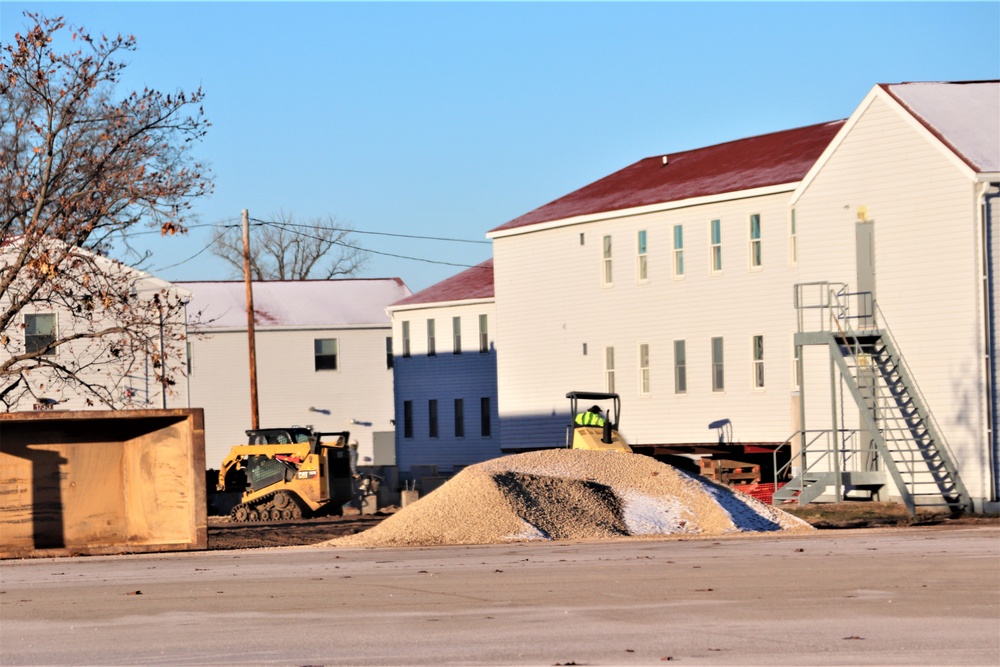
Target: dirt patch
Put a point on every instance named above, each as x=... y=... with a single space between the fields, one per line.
x=225 y=534
x=864 y=514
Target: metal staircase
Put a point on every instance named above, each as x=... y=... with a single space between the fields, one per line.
x=893 y=414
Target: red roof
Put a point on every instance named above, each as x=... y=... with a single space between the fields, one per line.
x=769 y=159
x=473 y=283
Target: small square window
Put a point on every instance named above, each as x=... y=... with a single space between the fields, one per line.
x=326 y=354
x=39 y=333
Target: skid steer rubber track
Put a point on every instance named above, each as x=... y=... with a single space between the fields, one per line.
x=277 y=506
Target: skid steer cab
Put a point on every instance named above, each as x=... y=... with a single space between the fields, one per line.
x=595 y=426
x=291 y=473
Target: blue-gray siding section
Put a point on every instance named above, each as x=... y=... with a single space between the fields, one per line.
x=470 y=376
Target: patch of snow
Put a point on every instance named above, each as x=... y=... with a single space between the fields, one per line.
x=645 y=515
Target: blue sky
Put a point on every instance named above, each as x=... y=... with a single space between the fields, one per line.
x=448 y=119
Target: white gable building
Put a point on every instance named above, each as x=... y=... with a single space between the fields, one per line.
x=112 y=370
x=323 y=351
x=673 y=283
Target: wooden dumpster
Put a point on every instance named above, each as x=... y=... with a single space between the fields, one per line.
x=102 y=482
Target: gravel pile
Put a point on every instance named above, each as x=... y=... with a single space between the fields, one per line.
x=566 y=494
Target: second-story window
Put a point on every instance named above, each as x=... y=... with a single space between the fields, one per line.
x=678 y=251
x=456 y=334
x=484 y=334
x=716 y=240
x=756 y=256
x=793 y=242
x=39 y=332
x=431 y=343
x=642 y=268
x=406 y=340
x=325 y=354
x=606 y=275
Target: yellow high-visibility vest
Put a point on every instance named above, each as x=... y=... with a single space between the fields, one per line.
x=589 y=419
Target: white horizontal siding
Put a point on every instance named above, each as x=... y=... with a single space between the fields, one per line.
x=551 y=302
x=926 y=263
x=288 y=385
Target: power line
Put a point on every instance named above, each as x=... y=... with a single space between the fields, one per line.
x=164 y=268
x=375 y=252
x=356 y=231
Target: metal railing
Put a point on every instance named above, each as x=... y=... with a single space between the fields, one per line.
x=850 y=459
x=831 y=307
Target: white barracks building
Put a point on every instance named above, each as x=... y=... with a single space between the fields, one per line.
x=831 y=287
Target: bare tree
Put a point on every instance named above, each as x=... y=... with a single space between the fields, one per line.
x=281 y=249
x=79 y=168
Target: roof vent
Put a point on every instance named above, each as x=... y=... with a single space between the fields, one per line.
x=664 y=160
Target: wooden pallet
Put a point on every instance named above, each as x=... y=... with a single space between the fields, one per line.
x=726 y=471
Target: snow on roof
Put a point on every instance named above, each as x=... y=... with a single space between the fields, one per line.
x=294 y=303
x=755 y=162
x=473 y=283
x=965 y=115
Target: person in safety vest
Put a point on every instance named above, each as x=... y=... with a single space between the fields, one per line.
x=591 y=417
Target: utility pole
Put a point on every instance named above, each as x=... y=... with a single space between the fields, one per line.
x=251 y=335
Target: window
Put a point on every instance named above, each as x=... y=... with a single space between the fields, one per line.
x=678 y=251
x=326 y=354
x=756 y=259
x=757 y=345
x=607 y=260
x=718 y=377
x=39 y=333
x=407 y=419
x=642 y=272
x=609 y=370
x=388 y=352
x=484 y=416
x=431 y=343
x=432 y=418
x=680 y=367
x=716 y=244
x=793 y=244
x=644 y=369
x=456 y=333
x=484 y=334
x=406 y=340
x=190 y=358
x=459 y=418
x=796 y=364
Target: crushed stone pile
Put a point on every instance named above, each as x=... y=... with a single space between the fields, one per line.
x=567 y=494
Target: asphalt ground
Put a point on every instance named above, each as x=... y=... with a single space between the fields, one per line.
x=885 y=596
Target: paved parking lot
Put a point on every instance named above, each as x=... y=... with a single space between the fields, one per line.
x=914 y=596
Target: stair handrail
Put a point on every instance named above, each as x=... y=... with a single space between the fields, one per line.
x=816 y=455
x=912 y=386
x=824 y=303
